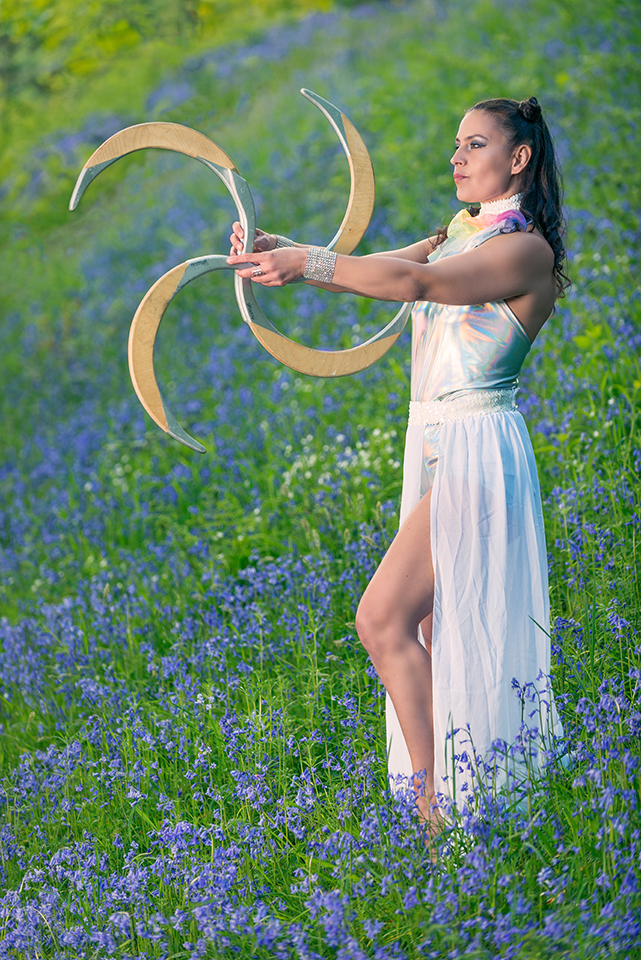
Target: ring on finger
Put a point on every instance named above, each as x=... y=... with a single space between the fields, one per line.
x=257 y=272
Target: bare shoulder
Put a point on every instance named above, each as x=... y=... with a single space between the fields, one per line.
x=524 y=250
x=529 y=248
x=539 y=246
x=527 y=261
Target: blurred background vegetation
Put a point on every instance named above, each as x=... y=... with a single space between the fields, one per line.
x=60 y=58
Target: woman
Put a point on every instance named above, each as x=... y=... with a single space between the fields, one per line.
x=458 y=608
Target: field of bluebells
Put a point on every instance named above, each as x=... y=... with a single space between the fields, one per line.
x=192 y=739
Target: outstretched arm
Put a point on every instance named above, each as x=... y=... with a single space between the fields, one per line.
x=507 y=266
x=266 y=242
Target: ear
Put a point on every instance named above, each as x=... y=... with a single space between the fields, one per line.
x=521 y=158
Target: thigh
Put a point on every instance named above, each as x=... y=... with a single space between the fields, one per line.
x=402 y=589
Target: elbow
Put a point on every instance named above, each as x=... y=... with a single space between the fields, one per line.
x=420 y=284
x=421 y=289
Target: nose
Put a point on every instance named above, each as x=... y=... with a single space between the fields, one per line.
x=455 y=156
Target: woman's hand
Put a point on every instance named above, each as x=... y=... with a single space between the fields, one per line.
x=272 y=269
x=262 y=242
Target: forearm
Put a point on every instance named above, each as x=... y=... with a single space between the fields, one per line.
x=382 y=277
x=503 y=267
x=415 y=253
x=332 y=287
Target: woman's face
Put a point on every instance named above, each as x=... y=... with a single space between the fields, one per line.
x=484 y=167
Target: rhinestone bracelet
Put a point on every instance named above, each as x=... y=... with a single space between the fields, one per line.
x=320 y=265
x=283 y=241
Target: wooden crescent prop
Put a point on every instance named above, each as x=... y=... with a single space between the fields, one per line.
x=148 y=316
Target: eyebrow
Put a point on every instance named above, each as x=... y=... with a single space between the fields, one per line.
x=473 y=137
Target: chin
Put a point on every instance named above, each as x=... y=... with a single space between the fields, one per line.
x=464 y=195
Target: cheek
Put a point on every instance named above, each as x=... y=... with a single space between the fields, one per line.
x=496 y=164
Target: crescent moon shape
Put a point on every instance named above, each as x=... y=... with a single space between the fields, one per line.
x=147 y=319
x=142 y=136
x=142 y=338
x=360 y=205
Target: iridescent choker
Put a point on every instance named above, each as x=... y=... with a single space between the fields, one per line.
x=493 y=207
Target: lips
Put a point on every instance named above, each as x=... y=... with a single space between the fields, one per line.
x=458 y=177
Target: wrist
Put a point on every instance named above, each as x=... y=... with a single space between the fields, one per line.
x=319 y=265
x=282 y=242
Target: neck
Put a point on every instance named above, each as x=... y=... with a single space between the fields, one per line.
x=493 y=207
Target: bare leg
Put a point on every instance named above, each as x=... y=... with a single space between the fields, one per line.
x=398 y=598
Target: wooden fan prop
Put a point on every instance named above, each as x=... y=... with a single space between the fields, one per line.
x=146 y=321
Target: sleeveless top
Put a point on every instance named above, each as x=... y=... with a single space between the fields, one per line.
x=458 y=349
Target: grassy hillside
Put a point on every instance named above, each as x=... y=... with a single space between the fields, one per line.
x=193 y=747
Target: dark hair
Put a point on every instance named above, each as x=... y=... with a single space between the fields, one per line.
x=522 y=122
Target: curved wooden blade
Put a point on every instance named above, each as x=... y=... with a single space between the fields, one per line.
x=331 y=363
x=316 y=363
x=142 y=136
x=142 y=339
x=362 y=189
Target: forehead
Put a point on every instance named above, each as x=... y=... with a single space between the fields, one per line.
x=480 y=123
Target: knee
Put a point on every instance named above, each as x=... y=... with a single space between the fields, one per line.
x=373 y=625
x=362 y=622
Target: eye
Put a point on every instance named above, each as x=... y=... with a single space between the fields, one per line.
x=475 y=143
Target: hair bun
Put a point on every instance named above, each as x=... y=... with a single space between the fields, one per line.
x=530 y=110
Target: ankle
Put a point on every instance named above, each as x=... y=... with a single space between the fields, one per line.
x=428 y=808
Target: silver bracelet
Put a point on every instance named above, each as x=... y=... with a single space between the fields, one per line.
x=320 y=265
x=283 y=241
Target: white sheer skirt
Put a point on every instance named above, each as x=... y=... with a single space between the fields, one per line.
x=491 y=608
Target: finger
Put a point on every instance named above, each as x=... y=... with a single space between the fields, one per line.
x=236 y=238
x=248 y=274
x=245 y=258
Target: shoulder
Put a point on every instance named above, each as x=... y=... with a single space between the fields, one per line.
x=522 y=248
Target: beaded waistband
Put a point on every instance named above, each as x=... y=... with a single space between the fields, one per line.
x=477 y=404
